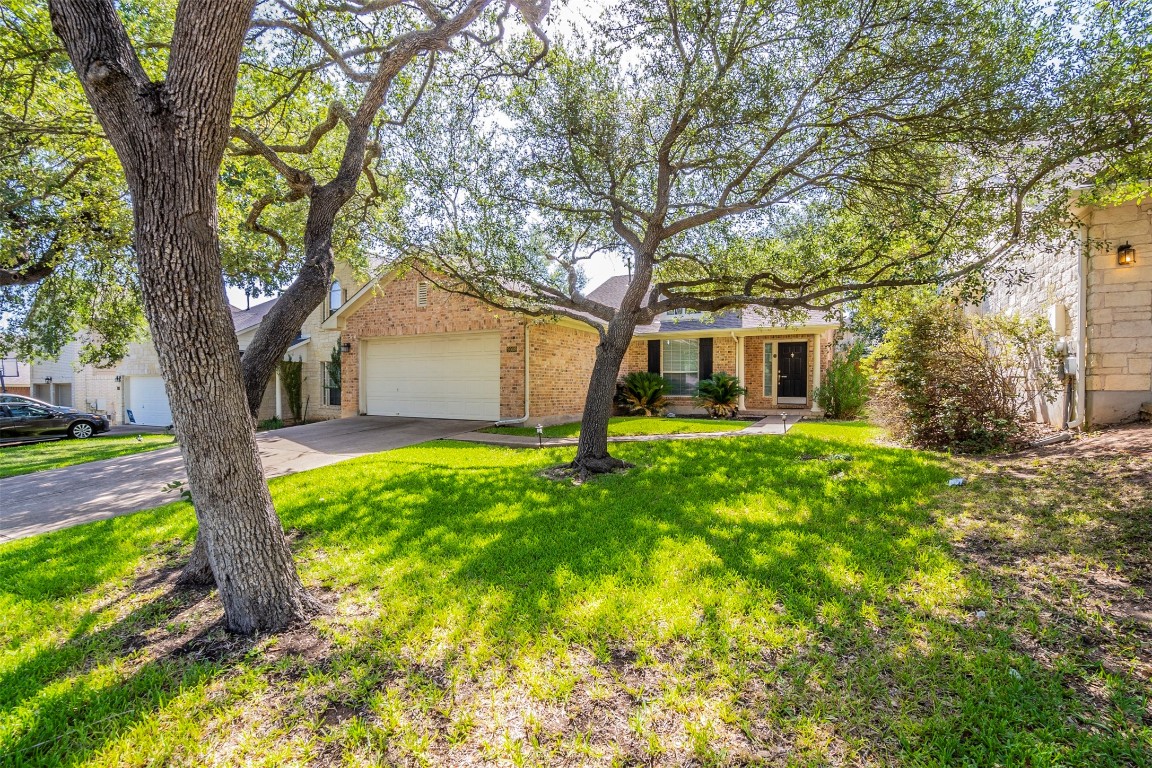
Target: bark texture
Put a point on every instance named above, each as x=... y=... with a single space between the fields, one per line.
x=592 y=457
x=170 y=138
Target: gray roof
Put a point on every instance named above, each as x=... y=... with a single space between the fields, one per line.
x=243 y=319
x=613 y=289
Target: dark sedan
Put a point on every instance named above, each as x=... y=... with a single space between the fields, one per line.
x=28 y=421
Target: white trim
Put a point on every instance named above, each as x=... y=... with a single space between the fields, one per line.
x=816 y=373
x=279 y=407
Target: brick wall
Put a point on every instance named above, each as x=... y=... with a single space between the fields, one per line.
x=561 y=360
x=754 y=368
x=392 y=311
x=723 y=361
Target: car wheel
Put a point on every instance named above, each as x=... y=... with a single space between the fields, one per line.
x=81 y=430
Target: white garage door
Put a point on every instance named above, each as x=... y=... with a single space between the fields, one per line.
x=453 y=376
x=147 y=401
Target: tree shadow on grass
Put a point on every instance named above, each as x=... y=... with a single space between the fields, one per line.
x=789 y=560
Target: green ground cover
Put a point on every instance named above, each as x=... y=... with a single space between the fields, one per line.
x=632 y=425
x=798 y=600
x=33 y=457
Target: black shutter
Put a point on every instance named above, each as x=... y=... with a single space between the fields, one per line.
x=705 y=359
x=654 y=356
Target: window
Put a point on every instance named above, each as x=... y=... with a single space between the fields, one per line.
x=769 y=351
x=680 y=364
x=331 y=379
x=422 y=294
x=335 y=296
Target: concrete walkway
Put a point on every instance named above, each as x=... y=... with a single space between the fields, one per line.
x=60 y=498
x=769 y=425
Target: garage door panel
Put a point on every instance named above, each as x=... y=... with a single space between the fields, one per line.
x=148 y=401
x=450 y=376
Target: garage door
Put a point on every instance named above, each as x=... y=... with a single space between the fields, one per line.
x=439 y=377
x=147 y=401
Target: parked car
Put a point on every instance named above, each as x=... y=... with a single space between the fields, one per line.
x=30 y=421
x=6 y=397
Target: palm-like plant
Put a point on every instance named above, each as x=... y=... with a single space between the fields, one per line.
x=720 y=395
x=644 y=393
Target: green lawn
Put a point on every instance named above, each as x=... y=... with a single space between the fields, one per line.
x=33 y=457
x=632 y=425
x=788 y=600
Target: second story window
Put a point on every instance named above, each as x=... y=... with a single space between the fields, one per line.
x=335 y=296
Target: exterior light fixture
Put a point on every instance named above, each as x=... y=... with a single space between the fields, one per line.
x=1126 y=255
x=47 y=379
x=345 y=346
x=119 y=379
x=539 y=435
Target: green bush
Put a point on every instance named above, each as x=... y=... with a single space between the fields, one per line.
x=843 y=392
x=720 y=395
x=945 y=380
x=643 y=393
x=292 y=379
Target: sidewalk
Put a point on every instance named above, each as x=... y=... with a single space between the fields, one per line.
x=769 y=425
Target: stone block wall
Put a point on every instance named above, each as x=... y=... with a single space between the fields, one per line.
x=1119 y=312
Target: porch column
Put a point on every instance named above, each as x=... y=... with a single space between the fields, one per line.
x=279 y=410
x=815 y=372
x=740 y=365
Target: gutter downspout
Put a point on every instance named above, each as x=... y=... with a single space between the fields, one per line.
x=1081 y=331
x=527 y=385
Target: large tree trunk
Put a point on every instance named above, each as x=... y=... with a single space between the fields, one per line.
x=592 y=455
x=280 y=326
x=170 y=139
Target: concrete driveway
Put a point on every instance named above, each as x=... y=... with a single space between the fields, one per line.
x=60 y=498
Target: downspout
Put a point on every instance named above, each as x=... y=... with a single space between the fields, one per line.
x=1081 y=331
x=739 y=363
x=527 y=384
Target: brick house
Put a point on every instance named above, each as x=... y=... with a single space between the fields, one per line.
x=1097 y=295
x=411 y=349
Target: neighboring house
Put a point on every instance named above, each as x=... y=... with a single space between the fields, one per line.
x=14 y=378
x=410 y=349
x=1097 y=295
x=133 y=391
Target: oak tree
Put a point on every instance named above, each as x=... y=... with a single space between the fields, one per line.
x=169 y=132
x=793 y=156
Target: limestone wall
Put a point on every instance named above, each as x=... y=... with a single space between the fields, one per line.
x=1119 y=370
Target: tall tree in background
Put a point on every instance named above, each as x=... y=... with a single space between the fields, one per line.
x=786 y=155
x=65 y=219
x=170 y=134
x=366 y=49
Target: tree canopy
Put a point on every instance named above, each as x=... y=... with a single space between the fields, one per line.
x=789 y=155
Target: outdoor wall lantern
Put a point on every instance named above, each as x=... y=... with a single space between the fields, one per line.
x=345 y=346
x=119 y=379
x=1126 y=255
x=47 y=379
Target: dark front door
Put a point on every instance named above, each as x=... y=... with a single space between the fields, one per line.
x=793 y=381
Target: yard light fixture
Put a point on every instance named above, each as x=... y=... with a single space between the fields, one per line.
x=1126 y=255
x=539 y=435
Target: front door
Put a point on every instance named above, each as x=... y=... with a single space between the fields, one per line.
x=792 y=381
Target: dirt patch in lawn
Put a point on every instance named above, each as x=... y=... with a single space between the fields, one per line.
x=1063 y=534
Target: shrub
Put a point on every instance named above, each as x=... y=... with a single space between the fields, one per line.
x=292 y=379
x=644 y=393
x=944 y=380
x=844 y=390
x=720 y=395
